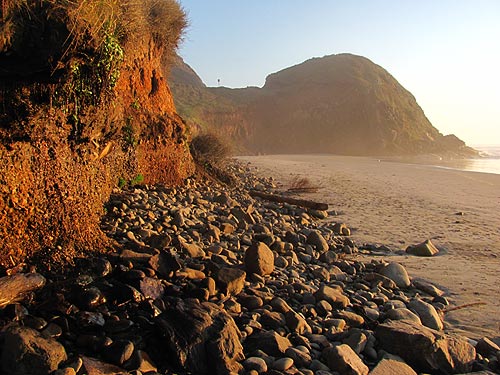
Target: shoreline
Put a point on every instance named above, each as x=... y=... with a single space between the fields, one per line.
x=399 y=204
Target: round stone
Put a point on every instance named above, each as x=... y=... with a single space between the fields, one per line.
x=256 y=364
x=282 y=364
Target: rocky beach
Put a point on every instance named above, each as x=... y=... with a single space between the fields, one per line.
x=392 y=205
x=209 y=280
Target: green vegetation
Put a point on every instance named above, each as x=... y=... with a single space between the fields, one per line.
x=129 y=134
x=137 y=180
x=122 y=182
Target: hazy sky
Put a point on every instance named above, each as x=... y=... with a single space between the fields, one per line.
x=446 y=52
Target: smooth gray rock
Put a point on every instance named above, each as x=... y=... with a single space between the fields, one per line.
x=427 y=313
x=397 y=273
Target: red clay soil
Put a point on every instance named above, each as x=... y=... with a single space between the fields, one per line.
x=53 y=184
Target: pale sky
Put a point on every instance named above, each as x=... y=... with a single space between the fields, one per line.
x=445 y=52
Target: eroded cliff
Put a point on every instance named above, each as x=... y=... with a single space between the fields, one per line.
x=85 y=105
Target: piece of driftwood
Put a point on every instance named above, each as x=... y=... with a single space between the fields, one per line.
x=14 y=288
x=464 y=306
x=297 y=202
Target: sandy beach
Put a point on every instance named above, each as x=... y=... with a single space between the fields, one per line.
x=398 y=204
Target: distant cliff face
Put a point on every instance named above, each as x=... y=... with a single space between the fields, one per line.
x=341 y=104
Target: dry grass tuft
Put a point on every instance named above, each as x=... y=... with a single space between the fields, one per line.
x=210 y=150
x=302 y=185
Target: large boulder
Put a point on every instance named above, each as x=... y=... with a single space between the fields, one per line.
x=200 y=338
x=425 y=349
x=259 y=259
x=27 y=352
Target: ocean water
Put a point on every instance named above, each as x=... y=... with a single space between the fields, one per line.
x=488 y=163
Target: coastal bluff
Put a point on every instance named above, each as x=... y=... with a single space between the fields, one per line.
x=339 y=104
x=85 y=107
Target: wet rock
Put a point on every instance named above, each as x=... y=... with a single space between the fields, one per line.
x=27 y=352
x=34 y=322
x=52 y=330
x=424 y=249
x=201 y=338
x=90 y=298
x=259 y=259
x=397 y=273
x=89 y=320
x=231 y=280
x=392 y=367
x=344 y=360
x=425 y=349
x=65 y=371
x=118 y=352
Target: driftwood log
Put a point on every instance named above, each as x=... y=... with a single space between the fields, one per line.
x=297 y=202
x=14 y=288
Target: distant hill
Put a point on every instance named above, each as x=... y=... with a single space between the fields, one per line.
x=341 y=104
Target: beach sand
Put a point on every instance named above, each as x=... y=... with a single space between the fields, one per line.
x=397 y=204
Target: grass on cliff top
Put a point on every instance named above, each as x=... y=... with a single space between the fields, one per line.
x=83 y=26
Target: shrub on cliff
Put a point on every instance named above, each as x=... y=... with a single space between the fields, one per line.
x=210 y=152
x=209 y=148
